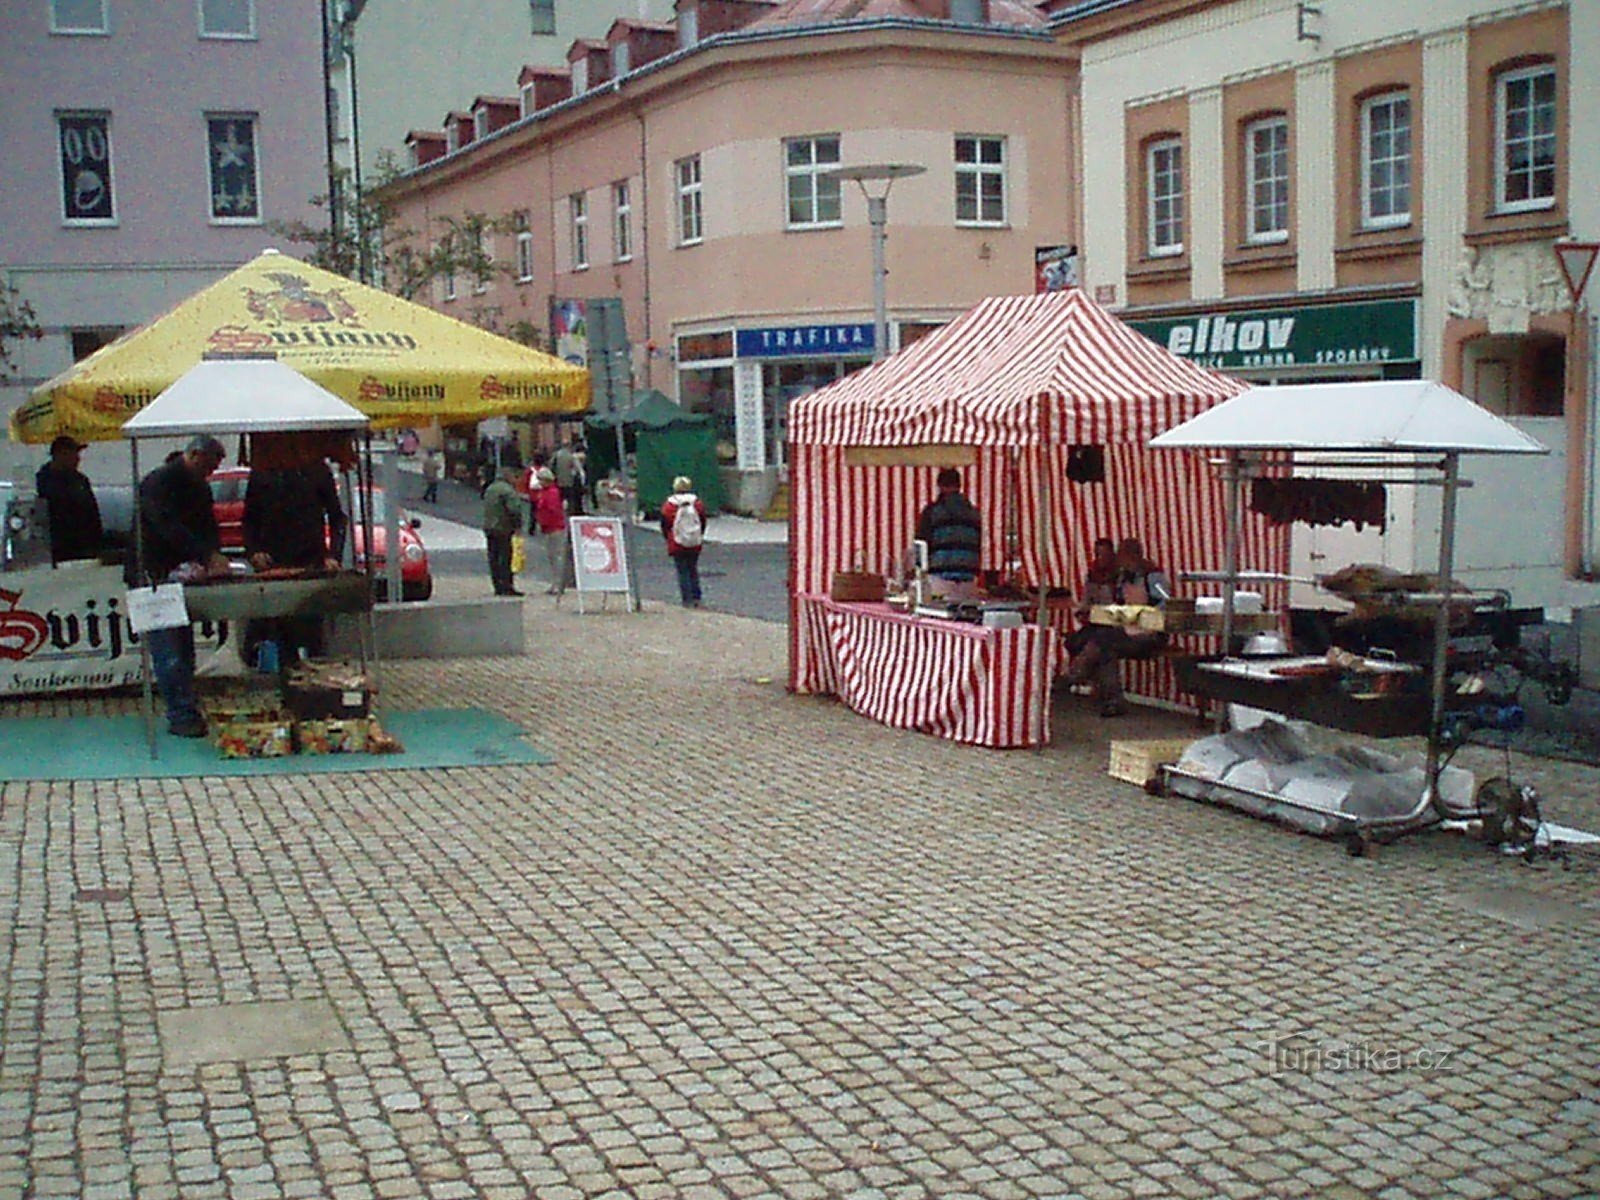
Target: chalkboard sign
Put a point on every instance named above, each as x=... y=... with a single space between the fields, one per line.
x=85 y=143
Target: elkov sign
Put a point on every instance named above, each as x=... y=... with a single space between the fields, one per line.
x=1319 y=335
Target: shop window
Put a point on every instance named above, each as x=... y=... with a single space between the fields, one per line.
x=1386 y=161
x=1164 y=215
x=1266 y=163
x=980 y=180
x=235 y=175
x=687 y=173
x=78 y=16
x=813 y=194
x=578 y=213
x=622 y=220
x=227 y=18
x=83 y=140
x=1525 y=139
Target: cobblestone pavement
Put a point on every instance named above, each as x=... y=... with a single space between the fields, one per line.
x=735 y=943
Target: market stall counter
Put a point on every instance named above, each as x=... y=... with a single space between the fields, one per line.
x=954 y=679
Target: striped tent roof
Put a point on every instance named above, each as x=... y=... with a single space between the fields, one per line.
x=1053 y=368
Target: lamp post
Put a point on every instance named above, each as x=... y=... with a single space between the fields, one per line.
x=875 y=180
x=1576 y=260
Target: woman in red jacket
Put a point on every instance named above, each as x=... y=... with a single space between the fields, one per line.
x=550 y=520
x=683 y=524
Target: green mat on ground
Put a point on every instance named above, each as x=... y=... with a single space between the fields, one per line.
x=117 y=748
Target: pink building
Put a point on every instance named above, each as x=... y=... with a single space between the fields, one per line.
x=689 y=178
x=148 y=144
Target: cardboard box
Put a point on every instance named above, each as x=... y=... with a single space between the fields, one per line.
x=252 y=733
x=1136 y=762
x=332 y=736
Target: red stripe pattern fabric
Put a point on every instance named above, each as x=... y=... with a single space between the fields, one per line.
x=1021 y=379
x=985 y=687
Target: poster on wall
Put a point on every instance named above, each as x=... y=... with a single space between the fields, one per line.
x=569 y=327
x=68 y=629
x=1055 y=268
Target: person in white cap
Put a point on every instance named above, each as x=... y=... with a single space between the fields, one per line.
x=683 y=524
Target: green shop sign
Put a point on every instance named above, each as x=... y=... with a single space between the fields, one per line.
x=1319 y=335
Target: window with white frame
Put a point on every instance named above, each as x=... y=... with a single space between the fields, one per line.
x=1525 y=139
x=447 y=269
x=524 y=249
x=1164 y=196
x=483 y=267
x=980 y=180
x=690 y=226
x=622 y=220
x=83 y=142
x=228 y=18
x=235 y=175
x=78 y=16
x=1266 y=168
x=527 y=99
x=480 y=123
x=580 y=76
x=1386 y=160
x=544 y=16
x=578 y=211
x=813 y=195
x=688 y=26
x=619 y=60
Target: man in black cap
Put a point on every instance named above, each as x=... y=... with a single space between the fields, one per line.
x=179 y=539
x=74 y=514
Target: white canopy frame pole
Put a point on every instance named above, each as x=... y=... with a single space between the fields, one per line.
x=146 y=666
x=1235 y=518
x=1451 y=471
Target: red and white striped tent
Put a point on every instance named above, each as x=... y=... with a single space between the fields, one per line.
x=1009 y=388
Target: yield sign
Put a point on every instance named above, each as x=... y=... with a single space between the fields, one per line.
x=1576 y=260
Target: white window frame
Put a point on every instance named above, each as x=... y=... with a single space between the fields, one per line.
x=486 y=254
x=578 y=220
x=480 y=124
x=622 y=220
x=447 y=277
x=981 y=168
x=1155 y=173
x=109 y=153
x=620 y=54
x=690 y=188
x=254 y=122
x=99 y=30
x=228 y=35
x=688 y=27
x=580 y=75
x=524 y=252
x=1396 y=160
x=1278 y=180
x=526 y=93
x=1502 y=168
x=806 y=182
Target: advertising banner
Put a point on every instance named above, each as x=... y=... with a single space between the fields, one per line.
x=1355 y=333
x=599 y=554
x=1055 y=268
x=68 y=629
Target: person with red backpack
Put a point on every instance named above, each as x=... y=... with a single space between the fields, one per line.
x=683 y=524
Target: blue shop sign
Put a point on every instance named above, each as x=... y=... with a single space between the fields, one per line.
x=806 y=341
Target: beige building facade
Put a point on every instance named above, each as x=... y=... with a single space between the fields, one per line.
x=1351 y=190
x=695 y=188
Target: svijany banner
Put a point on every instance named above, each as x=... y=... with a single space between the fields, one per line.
x=66 y=629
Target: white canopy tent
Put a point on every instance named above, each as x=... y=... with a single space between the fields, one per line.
x=1381 y=424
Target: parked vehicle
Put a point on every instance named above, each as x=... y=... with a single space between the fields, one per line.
x=416 y=577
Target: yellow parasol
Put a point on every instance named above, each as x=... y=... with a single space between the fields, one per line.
x=399 y=363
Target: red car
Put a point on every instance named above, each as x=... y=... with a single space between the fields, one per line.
x=416 y=579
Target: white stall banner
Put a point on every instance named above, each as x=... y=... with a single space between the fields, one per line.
x=68 y=629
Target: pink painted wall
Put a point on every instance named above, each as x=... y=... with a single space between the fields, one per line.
x=158 y=78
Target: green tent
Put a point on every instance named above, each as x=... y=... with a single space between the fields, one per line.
x=666 y=441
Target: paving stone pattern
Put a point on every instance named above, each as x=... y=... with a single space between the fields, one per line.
x=740 y=944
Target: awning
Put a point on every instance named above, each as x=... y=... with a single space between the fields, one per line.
x=399 y=363
x=1394 y=416
x=242 y=396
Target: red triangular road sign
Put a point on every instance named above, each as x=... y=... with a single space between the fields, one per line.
x=1576 y=260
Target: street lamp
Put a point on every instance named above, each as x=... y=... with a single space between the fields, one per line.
x=875 y=180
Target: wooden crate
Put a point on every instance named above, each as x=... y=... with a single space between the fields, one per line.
x=1136 y=761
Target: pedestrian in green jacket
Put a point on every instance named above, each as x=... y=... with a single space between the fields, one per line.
x=502 y=521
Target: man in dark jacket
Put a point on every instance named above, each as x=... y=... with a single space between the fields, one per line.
x=179 y=538
x=953 y=529
x=74 y=514
x=292 y=518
